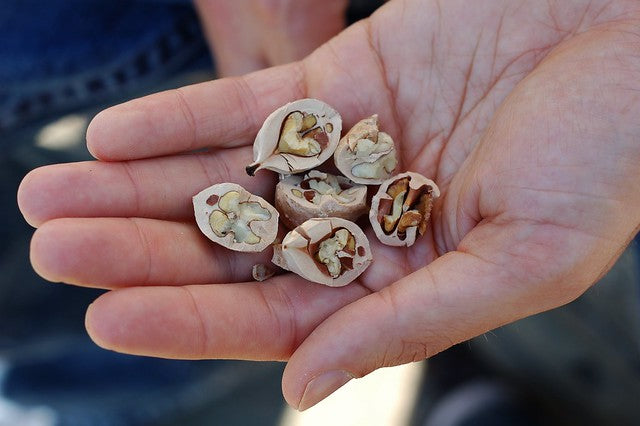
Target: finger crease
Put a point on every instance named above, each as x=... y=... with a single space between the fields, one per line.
x=144 y=243
x=375 y=48
x=224 y=173
x=288 y=332
x=136 y=190
x=248 y=103
x=203 y=335
x=189 y=117
x=205 y=169
x=302 y=89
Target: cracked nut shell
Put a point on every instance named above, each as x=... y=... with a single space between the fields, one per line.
x=366 y=155
x=329 y=251
x=401 y=208
x=234 y=218
x=296 y=137
x=319 y=194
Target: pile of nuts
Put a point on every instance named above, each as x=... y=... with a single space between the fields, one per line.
x=325 y=245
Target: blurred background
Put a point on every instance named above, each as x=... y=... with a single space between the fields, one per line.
x=63 y=61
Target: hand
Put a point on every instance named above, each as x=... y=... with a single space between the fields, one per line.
x=253 y=34
x=525 y=114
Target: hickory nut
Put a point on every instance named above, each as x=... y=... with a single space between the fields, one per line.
x=233 y=217
x=325 y=245
x=366 y=155
x=319 y=194
x=329 y=251
x=402 y=207
x=296 y=137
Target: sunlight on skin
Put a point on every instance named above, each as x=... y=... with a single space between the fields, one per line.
x=385 y=397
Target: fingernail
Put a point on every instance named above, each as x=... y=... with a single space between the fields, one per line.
x=322 y=386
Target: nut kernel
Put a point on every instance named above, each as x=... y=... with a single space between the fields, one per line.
x=293 y=139
x=324 y=251
x=237 y=220
x=366 y=155
x=296 y=137
x=401 y=209
x=317 y=194
x=328 y=252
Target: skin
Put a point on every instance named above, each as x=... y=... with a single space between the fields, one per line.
x=250 y=35
x=525 y=113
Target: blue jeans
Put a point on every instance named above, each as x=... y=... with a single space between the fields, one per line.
x=60 y=55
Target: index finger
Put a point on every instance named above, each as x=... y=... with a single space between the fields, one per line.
x=220 y=113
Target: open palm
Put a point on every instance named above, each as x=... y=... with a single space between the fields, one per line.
x=524 y=113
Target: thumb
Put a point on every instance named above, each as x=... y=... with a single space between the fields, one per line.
x=458 y=296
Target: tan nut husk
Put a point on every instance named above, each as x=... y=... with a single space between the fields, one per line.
x=321 y=251
x=296 y=137
x=401 y=209
x=261 y=272
x=234 y=218
x=366 y=155
x=319 y=194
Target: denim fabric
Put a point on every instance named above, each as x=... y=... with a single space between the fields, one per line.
x=64 y=54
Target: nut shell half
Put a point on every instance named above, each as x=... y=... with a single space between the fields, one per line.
x=297 y=202
x=401 y=208
x=366 y=155
x=299 y=248
x=231 y=216
x=326 y=124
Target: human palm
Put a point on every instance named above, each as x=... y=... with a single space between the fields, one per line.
x=524 y=113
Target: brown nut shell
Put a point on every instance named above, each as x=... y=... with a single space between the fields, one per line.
x=234 y=218
x=329 y=251
x=296 y=137
x=401 y=209
x=366 y=155
x=318 y=194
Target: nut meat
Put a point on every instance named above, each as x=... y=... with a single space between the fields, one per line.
x=296 y=137
x=366 y=155
x=233 y=217
x=319 y=194
x=401 y=209
x=330 y=251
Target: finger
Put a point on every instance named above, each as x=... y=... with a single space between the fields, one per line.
x=261 y=321
x=292 y=32
x=229 y=112
x=232 y=31
x=221 y=113
x=458 y=296
x=160 y=188
x=119 y=252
